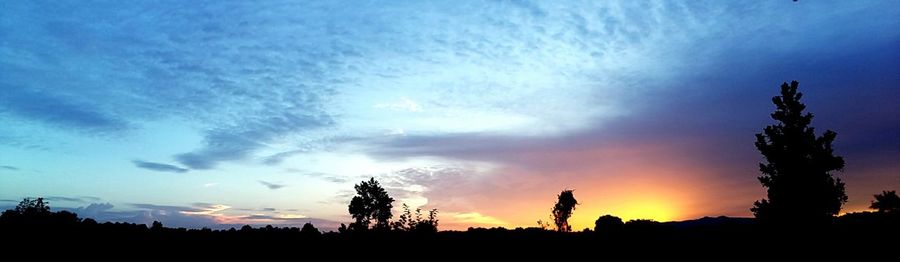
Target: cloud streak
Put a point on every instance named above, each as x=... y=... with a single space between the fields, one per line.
x=272 y=186
x=160 y=167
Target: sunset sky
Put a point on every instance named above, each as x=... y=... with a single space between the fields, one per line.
x=222 y=113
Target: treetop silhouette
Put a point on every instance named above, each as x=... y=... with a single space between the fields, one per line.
x=565 y=205
x=887 y=201
x=797 y=171
x=32 y=206
x=371 y=202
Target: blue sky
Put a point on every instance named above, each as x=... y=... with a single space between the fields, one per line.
x=216 y=113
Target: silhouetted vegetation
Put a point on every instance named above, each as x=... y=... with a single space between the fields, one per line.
x=309 y=229
x=887 y=201
x=35 y=225
x=609 y=224
x=416 y=223
x=561 y=212
x=371 y=202
x=798 y=169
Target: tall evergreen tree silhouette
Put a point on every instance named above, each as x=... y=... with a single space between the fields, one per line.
x=797 y=171
x=561 y=212
x=371 y=202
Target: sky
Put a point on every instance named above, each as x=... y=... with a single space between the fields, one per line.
x=223 y=113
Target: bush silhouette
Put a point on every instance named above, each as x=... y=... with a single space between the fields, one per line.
x=561 y=212
x=371 y=202
x=887 y=201
x=798 y=166
x=309 y=229
x=609 y=224
x=415 y=223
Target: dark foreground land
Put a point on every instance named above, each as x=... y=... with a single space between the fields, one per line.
x=849 y=235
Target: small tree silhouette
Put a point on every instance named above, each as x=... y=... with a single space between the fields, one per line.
x=309 y=229
x=156 y=226
x=797 y=171
x=887 y=201
x=565 y=204
x=371 y=202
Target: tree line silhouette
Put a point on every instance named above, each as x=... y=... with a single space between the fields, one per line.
x=803 y=195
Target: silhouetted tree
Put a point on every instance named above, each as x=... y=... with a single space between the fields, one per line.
x=371 y=202
x=565 y=204
x=30 y=206
x=309 y=229
x=887 y=201
x=156 y=226
x=608 y=224
x=797 y=171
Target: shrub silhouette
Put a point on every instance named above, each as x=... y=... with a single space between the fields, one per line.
x=798 y=166
x=371 y=202
x=887 y=201
x=561 y=212
x=609 y=224
x=415 y=223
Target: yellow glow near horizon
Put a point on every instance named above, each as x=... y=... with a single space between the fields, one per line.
x=636 y=199
x=654 y=210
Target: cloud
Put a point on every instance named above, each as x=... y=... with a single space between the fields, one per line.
x=266 y=217
x=238 y=143
x=90 y=198
x=52 y=110
x=78 y=199
x=324 y=176
x=272 y=186
x=279 y=157
x=196 y=215
x=67 y=199
x=159 y=166
x=165 y=207
x=176 y=216
x=94 y=210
